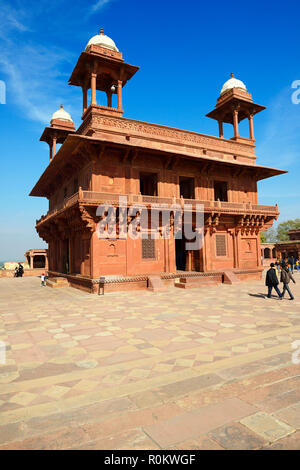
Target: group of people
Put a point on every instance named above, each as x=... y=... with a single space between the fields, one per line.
x=291 y=263
x=272 y=281
x=19 y=270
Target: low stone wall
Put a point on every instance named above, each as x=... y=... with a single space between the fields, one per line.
x=27 y=272
x=140 y=282
x=249 y=275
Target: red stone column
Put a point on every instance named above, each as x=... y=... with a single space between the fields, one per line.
x=251 y=129
x=119 y=95
x=238 y=244
x=53 y=146
x=206 y=250
x=236 y=122
x=84 y=99
x=109 y=99
x=221 y=129
x=93 y=88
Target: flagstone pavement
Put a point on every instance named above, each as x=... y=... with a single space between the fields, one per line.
x=205 y=368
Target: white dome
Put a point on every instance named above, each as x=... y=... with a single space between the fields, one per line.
x=62 y=115
x=233 y=83
x=102 y=40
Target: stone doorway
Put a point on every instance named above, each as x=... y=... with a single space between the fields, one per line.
x=187 y=260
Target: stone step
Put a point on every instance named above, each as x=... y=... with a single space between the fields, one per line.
x=194 y=282
x=55 y=282
x=155 y=284
x=230 y=277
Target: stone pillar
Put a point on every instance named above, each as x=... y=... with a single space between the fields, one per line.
x=189 y=261
x=236 y=122
x=221 y=129
x=93 y=88
x=237 y=244
x=31 y=262
x=109 y=99
x=84 y=99
x=51 y=151
x=119 y=95
x=53 y=146
x=235 y=249
x=206 y=250
x=251 y=129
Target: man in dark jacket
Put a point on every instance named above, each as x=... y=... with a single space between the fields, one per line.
x=272 y=281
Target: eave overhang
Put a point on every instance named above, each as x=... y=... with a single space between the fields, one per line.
x=67 y=153
x=86 y=60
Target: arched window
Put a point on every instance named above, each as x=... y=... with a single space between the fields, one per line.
x=267 y=253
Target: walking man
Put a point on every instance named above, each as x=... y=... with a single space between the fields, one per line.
x=272 y=281
x=285 y=278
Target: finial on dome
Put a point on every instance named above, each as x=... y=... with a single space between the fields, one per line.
x=61 y=106
x=101 y=31
x=232 y=75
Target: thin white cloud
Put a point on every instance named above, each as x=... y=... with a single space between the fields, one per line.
x=32 y=86
x=32 y=73
x=99 y=5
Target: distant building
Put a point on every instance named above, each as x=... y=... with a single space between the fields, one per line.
x=289 y=248
x=36 y=262
x=110 y=156
x=37 y=258
x=282 y=250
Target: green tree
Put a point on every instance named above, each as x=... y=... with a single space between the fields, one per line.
x=284 y=227
x=269 y=236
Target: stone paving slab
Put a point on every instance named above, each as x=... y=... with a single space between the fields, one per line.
x=198 y=422
x=215 y=362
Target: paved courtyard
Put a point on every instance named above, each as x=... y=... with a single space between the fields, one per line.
x=207 y=368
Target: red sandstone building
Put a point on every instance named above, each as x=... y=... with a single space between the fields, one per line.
x=109 y=155
x=282 y=250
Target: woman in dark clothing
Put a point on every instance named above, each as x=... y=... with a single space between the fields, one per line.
x=20 y=270
x=285 y=278
x=272 y=281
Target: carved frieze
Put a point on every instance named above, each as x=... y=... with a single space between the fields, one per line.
x=179 y=136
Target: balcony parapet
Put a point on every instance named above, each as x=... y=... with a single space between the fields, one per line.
x=92 y=198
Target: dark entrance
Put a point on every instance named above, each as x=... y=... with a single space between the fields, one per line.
x=148 y=184
x=66 y=257
x=180 y=254
x=220 y=188
x=188 y=260
x=187 y=187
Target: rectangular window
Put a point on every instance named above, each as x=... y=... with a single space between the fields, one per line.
x=187 y=187
x=148 y=184
x=221 y=190
x=148 y=248
x=221 y=245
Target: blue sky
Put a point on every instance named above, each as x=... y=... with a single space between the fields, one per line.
x=186 y=51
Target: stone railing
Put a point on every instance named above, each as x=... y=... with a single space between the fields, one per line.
x=93 y=198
